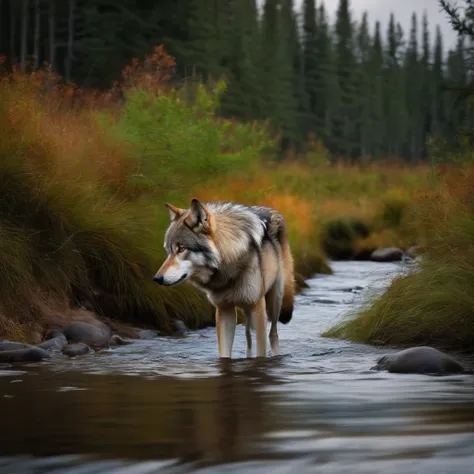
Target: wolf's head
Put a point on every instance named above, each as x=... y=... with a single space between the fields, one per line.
x=190 y=246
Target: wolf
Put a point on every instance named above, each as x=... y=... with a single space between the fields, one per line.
x=240 y=257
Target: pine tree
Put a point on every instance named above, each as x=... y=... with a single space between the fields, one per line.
x=395 y=103
x=326 y=86
x=295 y=60
x=427 y=91
x=276 y=73
x=310 y=64
x=364 y=86
x=377 y=115
x=345 y=120
x=202 y=48
x=243 y=93
x=438 y=102
x=414 y=91
x=456 y=80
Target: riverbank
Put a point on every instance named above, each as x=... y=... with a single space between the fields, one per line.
x=83 y=179
x=434 y=304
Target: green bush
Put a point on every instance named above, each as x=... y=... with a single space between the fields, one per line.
x=178 y=143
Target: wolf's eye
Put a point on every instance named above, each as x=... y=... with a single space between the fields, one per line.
x=180 y=249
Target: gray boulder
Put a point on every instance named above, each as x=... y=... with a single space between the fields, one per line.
x=30 y=354
x=94 y=336
x=13 y=346
x=73 y=350
x=390 y=254
x=419 y=360
x=56 y=344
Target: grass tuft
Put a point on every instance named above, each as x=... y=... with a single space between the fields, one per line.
x=433 y=305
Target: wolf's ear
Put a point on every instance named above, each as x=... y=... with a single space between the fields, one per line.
x=175 y=212
x=199 y=216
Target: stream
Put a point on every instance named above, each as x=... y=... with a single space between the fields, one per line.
x=170 y=406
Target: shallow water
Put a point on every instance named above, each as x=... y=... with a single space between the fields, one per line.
x=170 y=406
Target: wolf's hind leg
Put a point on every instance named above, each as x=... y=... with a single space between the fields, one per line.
x=248 y=333
x=260 y=320
x=273 y=299
x=226 y=321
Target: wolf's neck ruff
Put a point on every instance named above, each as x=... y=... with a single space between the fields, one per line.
x=240 y=256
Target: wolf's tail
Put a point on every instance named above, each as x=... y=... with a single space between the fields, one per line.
x=286 y=311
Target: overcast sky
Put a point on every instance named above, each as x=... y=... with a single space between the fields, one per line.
x=380 y=10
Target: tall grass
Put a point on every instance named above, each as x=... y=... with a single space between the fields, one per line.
x=434 y=304
x=84 y=176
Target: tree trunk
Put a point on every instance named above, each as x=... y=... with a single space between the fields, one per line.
x=37 y=34
x=24 y=33
x=70 y=40
x=51 y=33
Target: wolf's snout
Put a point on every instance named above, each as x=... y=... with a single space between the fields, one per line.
x=160 y=279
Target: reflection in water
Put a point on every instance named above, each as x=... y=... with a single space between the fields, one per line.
x=210 y=420
x=170 y=406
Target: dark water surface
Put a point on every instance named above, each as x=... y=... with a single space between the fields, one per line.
x=170 y=406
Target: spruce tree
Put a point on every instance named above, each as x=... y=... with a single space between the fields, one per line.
x=295 y=60
x=243 y=92
x=394 y=92
x=377 y=83
x=345 y=121
x=364 y=86
x=310 y=64
x=438 y=99
x=202 y=48
x=414 y=92
x=326 y=86
x=278 y=102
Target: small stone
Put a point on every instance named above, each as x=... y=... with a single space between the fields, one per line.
x=116 y=340
x=179 y=328
x=56 y=344
x=413 y=251
x=147 y=334
x=73 y=350
x=391 y=254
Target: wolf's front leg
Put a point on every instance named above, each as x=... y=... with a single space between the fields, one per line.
x=226 y=320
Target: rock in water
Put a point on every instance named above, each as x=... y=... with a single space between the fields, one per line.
x=13 y=346
x=413 y=251
x=391 y=254
x=93 y=336
x=31 y=354
x=419 y=360
x=179 y=328
x=55 y=344
x=73 y=350
x=116 y=340
x=147 y=334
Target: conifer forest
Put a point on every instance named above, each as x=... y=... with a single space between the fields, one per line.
x=359 y=89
